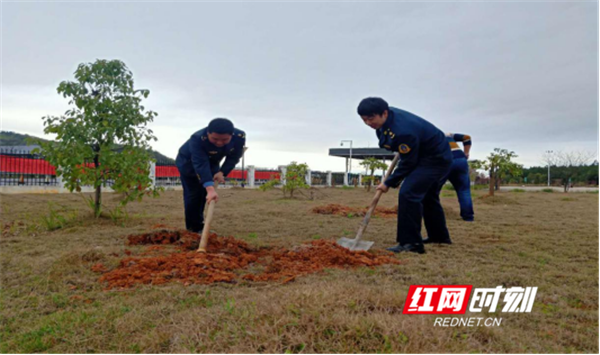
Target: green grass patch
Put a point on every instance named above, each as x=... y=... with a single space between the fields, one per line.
x=37 y=340
x=55 y=220
x=480 y=187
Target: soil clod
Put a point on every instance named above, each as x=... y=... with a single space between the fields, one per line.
x=229 y=260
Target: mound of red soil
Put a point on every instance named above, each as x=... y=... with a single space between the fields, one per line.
x=286 y=265
x=99 y=268
x=342 y=210
x=160 y=237
x=189 y=267
x=189 y=241
x=230 y=260
x=386 y=212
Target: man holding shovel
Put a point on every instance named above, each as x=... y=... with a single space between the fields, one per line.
x=425 y=158
x=198 y=163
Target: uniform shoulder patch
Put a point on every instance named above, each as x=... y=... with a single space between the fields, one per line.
x=404 y=148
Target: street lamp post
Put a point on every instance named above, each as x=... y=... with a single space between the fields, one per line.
x=549 y=152
x=349 y=163
x=243 y=161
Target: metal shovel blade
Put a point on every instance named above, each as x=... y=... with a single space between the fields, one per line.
x=354 y=244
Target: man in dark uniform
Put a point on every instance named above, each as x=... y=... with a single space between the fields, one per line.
x=425 y=158
x=198 y=163
x=459 y=174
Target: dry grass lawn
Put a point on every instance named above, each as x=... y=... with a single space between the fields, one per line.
x=52 y=302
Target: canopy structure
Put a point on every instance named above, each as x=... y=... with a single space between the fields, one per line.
x=362 y=153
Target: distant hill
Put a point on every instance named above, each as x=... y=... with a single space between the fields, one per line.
x=8 y=138
x=13 y=138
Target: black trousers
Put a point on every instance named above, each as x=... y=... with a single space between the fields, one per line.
x=194 y=200
x=419 y=199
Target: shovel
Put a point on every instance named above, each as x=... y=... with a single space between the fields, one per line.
x=357 y=243
x=206 y=229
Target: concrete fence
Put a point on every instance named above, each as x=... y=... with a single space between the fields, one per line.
x=167 y=177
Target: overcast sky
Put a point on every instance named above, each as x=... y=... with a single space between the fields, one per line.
x=516 y=75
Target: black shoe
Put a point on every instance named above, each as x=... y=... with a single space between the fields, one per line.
x=429 y=241
x=412 y=248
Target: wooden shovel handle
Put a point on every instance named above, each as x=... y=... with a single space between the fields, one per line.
x=206 y=230
x=207 y=221
x=365 y=221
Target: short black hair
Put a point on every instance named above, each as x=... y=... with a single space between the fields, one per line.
x=220 y=126
x=372 y=106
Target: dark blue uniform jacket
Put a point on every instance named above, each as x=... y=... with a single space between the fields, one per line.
x=418 y=142
x=198 y=156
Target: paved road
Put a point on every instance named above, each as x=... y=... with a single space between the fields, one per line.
x=555 y=188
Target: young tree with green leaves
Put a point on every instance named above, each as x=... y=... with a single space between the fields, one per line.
x=499 y=165
x=372 y=164
x=104 y=137
x=295 y=178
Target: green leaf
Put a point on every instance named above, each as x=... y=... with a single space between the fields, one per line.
x=108 y=116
